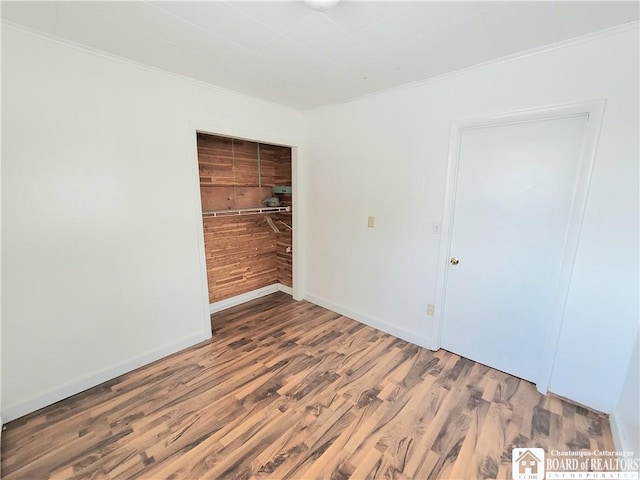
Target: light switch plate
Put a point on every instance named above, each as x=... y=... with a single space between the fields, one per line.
x=370 y=222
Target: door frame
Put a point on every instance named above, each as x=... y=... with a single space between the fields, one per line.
x=595 y=112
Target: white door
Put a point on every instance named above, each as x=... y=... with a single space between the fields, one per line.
x=514 y=192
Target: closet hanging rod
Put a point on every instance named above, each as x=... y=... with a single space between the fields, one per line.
x=245 y=211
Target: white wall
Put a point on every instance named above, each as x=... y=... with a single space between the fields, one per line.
x=102 y=268
x=386 y=156
x=625 y=418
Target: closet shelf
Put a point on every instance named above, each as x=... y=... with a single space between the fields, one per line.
x=245 y=211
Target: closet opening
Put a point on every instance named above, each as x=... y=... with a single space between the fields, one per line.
x=247 y=204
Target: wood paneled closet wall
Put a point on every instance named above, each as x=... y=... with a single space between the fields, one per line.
x=243 y=252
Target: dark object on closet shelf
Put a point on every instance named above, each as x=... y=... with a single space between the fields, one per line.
x=271 y=202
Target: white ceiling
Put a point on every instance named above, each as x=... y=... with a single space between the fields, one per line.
x=285 y=52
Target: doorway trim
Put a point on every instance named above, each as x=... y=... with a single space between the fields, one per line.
x=594 y=110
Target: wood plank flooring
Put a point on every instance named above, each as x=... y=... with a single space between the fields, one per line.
x=289 y=390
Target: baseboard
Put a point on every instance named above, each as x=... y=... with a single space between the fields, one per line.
x=60 y=393
x=246 y=297
x=376 y=323
x=240 y=299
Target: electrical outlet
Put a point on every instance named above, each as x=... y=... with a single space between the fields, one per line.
x=370 y=222
x=431 y=310
x=436 y=228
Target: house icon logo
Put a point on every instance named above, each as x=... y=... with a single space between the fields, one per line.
x=527 y=463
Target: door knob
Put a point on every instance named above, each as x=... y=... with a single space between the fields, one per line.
x=454 y=261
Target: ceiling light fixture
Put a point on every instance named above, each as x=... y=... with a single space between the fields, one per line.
x=321 y=5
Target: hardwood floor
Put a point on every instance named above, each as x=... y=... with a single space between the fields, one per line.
x=290 y=390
